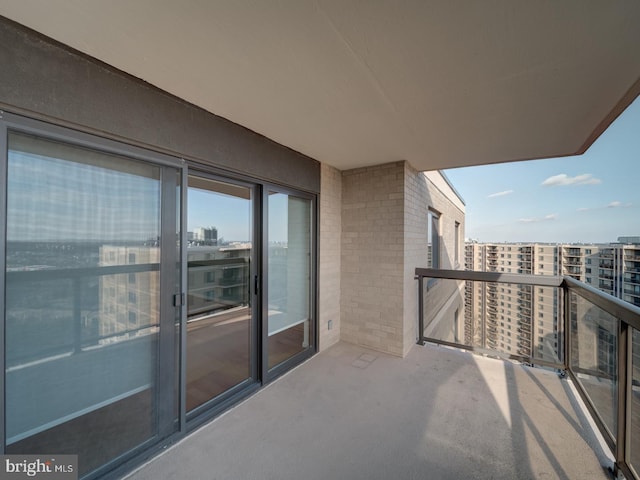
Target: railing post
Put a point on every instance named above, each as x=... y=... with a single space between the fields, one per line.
x=77 y=315
x=566 y=299
x=420 y=310
x=624 y=390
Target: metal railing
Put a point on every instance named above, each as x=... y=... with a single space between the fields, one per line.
x=595 y=339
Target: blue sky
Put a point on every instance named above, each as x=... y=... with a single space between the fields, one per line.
x=591 y=198
x=232 y=215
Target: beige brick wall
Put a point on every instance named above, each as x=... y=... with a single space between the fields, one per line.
x=372 y=257
x=417 y=200
x=372 y=237
x=329 y=255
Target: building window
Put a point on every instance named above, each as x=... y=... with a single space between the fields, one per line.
x=457 y=243
x=433 y=239
x=132 y=278
x=132 y=258
x=132 y=297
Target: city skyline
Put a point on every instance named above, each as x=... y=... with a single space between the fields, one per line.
x=590 y=198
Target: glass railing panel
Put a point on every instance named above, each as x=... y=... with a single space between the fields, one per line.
x=634 y=446
x=511 y=319
x=547 y=318
x=594 y=352
x=444 y=311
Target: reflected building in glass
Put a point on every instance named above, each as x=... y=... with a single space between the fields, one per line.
x=125 y=305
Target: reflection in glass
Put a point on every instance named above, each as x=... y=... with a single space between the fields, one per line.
x=82 y=301
x=219 y=311
x=444 y=311
x=594 y=344
x=289 y=276
x=634 y=447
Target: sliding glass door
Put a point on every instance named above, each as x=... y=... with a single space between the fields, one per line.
x=130 y=315
x=220 y=346
x=88 y=257
x=290 y=266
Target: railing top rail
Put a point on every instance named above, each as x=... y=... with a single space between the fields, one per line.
x=56 y=273
x=493 y=277
x=620 y=309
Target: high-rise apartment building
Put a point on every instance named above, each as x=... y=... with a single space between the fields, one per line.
x=514 y=319
x=523 y=320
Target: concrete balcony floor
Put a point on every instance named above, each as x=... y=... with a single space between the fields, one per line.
x=352 y=413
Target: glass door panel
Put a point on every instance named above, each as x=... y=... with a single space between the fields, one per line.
x=289 y=276
x=82 y=316
x=219 y=314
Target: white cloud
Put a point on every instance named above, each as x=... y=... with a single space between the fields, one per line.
x=618 y=204
x=551 y=216
x=500 y=194
x=563 y=179
x=614 y=204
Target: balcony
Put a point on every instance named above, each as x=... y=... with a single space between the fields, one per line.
x=594 y=340
x=353 y=413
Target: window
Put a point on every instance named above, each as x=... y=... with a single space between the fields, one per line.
x=457 y=242
x=132 y=258
x=132 y=278
x=433 y=239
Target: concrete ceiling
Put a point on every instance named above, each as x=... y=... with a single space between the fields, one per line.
x=353 y=83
